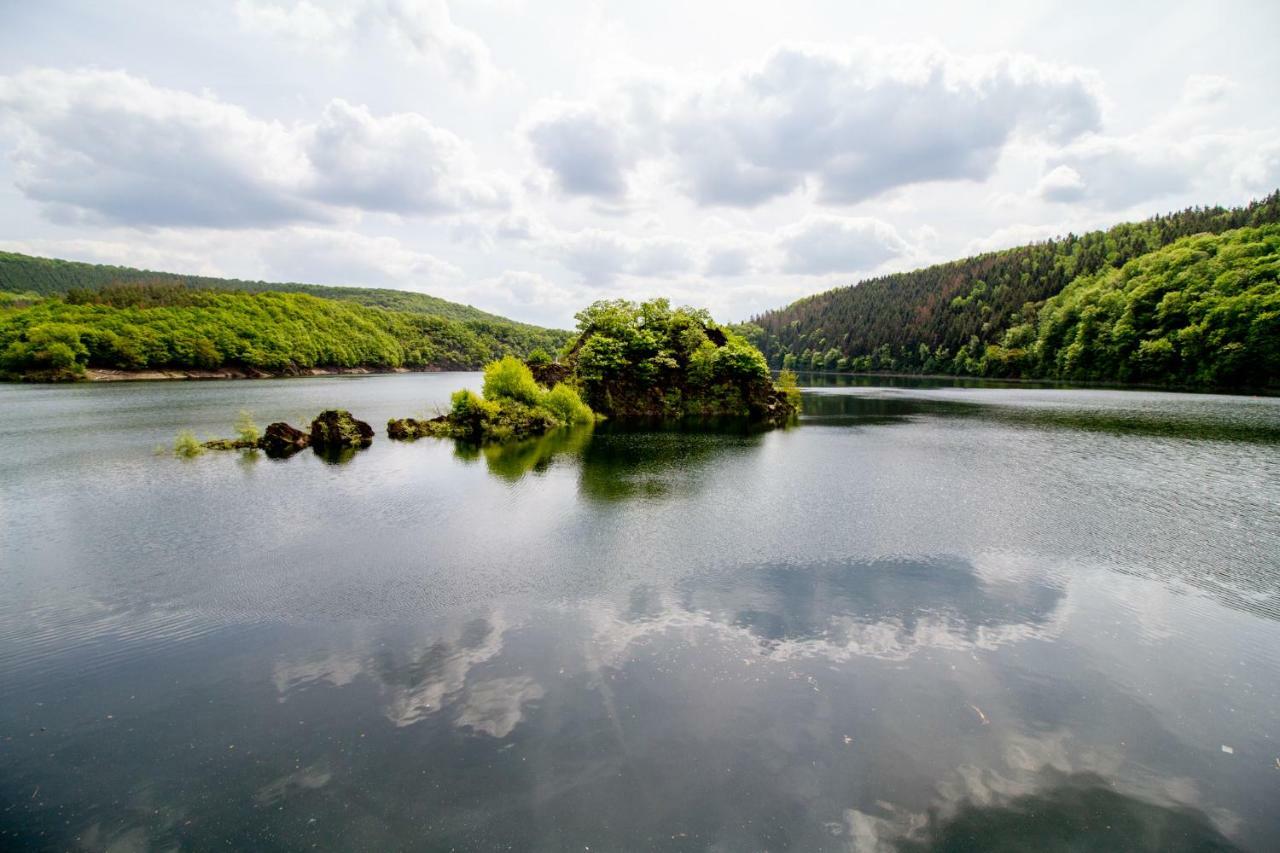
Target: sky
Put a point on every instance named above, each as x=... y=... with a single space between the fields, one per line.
x=531 y=157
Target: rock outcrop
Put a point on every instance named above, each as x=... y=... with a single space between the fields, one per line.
x=281 y=440
x=407 y=429
x=335 y=429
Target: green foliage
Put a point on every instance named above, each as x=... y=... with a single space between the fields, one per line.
x=187 y=445
x=956 y=317
x=651 y=359
x=789 y=386
x=510 y=378
x=539 y=358
x=567 y=406
x=246 y=429
x=51 y=277
x=1204 y=311
x=168 y=326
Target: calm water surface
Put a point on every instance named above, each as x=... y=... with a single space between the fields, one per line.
x=925 y=618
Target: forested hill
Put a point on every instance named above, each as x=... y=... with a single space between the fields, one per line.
x=170 y=327
x=947 y=318
x=50 y=276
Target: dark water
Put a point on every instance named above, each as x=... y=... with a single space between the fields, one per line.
x=926 y=618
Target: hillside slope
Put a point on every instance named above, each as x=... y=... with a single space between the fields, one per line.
x=174 y=328
x=51 y=276
x=943 y=318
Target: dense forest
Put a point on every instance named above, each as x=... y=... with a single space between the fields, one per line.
x=1202 y=311
x=172 y=326
x=51 y=277
x=954 y=317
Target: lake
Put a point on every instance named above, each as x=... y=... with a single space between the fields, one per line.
x=926 y=617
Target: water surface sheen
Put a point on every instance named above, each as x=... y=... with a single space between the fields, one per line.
x=925 y=618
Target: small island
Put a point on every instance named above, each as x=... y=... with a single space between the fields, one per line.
x=629 y=360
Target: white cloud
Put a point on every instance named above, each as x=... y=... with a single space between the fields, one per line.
x=1117 y=172
x=852 y=124
x=425 y=27
x=822 y=244
x=1063 y=183
x=108 y=147
x=584 y=152
x=599 y=256
x=399 y=163
x=326 y=256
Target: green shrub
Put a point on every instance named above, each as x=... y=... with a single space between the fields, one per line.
x=510 y=378
x=187 y=445
x=789 y=387
x=246 y=428
x=539 y=357
x=564 y=402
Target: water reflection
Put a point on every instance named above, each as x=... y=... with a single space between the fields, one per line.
x=623 y=461
x=512 y=460
x=883 y=608
x=877 y=407
x=1080 y=811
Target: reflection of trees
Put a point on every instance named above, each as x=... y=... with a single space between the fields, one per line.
x=625 y=462
x=870 y=409
x=622 y=461
x=511 y=460
x=1081 y=811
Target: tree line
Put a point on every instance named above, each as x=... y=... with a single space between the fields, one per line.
x=956 y=317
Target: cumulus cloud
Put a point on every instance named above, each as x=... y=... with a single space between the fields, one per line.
x=852 y=124
x=584 y=152
x=821 y=244
x=731 y=257
x=329 y=256
x=424 y=26
x=1063 y=183
x=399 y=163
x=1117 y=172
x=108 y=147
x=599 y=256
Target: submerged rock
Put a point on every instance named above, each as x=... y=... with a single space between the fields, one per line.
x=336 y=428
x=280 y=440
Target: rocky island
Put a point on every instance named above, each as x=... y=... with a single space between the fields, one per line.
x=629 y=360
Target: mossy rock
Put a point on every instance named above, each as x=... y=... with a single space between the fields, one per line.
x=230 y=444
x=336 y=428
x=282 y=440
x=407 y=429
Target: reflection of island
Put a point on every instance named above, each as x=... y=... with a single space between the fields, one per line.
x=622 y=461
x=511 y=460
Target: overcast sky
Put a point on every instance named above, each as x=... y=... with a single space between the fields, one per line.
x=530 y=157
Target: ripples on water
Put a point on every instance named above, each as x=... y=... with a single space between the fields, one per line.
x=922 y=617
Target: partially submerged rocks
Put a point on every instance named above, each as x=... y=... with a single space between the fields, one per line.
x=335 y=429
x=514 y=405
x=281 y=440
x=407 y=429
x=332 y=431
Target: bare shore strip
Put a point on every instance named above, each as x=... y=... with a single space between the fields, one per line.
x=95 y=374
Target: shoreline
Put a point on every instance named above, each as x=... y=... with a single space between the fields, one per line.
x=98 y=374
x=1052 y=384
